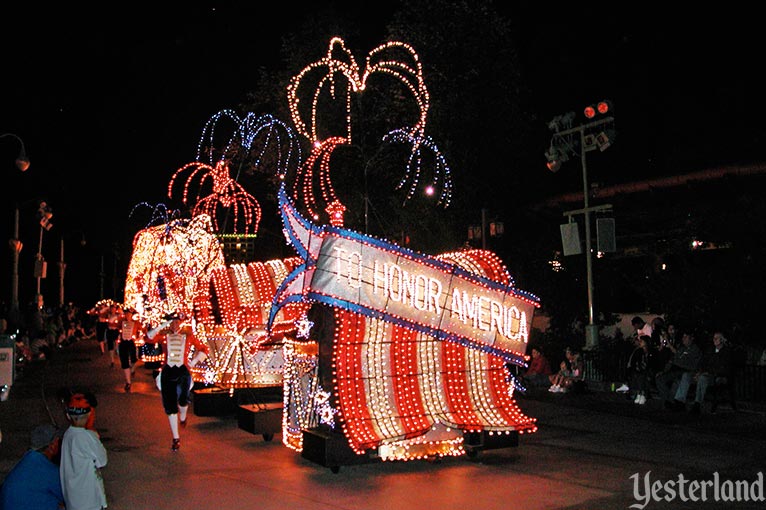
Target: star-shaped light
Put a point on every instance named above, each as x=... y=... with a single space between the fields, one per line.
x=303 y=326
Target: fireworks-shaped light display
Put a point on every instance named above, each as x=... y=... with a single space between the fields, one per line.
x=335 y=79
x=226 y=193
x=250 y=141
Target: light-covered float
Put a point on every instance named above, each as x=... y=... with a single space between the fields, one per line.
x=401 y=355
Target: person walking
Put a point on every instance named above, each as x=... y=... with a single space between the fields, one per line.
x=82 y=457
x=101 y=311
x=34 y=482
x=130 y=330
x=113 y=323
x=174 y=379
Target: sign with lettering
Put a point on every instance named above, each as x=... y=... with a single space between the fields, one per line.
x=385 y=281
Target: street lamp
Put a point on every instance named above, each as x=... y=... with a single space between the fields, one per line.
x=566 y=139
x=22 y=163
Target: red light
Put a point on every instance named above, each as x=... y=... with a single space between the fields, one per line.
x=590 y=112
x=603 y=107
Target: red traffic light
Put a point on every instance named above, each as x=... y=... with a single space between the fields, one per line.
x=600 y=108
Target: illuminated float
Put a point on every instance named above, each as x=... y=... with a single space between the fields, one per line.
x=178 y=264
x=401 y=355
x=410 y=361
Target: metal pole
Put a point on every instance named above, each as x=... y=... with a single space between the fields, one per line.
x=16 y=247
x=591 y=330
x=40 y=260
x=62 y=268
x=101 y=275
x=366 y=201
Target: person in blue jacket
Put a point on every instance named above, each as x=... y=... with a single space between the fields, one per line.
x=34 y=482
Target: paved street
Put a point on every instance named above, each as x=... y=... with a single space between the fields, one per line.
x=582 y=457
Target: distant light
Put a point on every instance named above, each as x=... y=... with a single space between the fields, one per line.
x=556 y=266
x=429 y=190
x=603 y=107
x=553 y=166
x=22 y=163
x=590 y=112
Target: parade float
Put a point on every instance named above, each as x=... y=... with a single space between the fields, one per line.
x=178 y=264
x=400 y=355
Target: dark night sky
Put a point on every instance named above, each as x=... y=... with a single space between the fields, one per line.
x=109 y=104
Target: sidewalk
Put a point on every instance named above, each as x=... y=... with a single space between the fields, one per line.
x=746 y=422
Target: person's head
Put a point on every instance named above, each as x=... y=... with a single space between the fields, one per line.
x=671 y=329
x=572 y=353
x=688 y=338
x=718 y=339
x=46 y=439
x=78 y=410
x=644 y=341
x=536 y=351
x=637 y=322
x=176 y=320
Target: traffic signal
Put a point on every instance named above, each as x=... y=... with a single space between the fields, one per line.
x=601 y=108
x=605 y=136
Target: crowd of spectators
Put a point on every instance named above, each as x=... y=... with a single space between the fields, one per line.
x=39 y=330
x=682 y=367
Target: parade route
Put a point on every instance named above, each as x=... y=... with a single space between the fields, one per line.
x=583 y=455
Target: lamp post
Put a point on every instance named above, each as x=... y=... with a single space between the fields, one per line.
x=22 y=163
x=62 y=267
x=564 y=141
